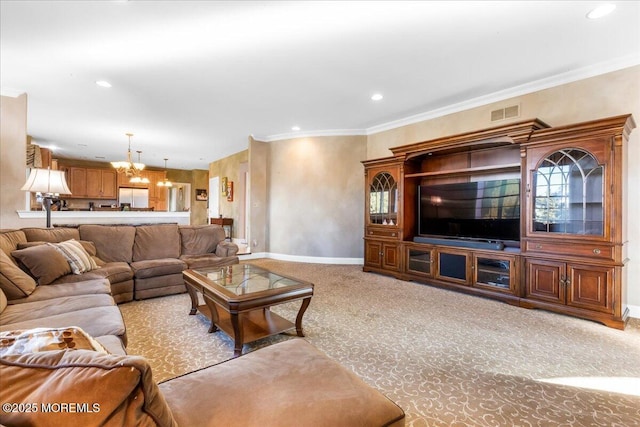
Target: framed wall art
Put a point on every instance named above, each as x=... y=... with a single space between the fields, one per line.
x=201 y=195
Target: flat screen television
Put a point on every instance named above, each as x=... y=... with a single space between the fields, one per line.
x=485 y=210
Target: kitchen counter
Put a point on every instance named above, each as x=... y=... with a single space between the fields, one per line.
x=108 y=217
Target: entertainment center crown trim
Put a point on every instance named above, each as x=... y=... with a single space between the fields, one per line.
x=571 y=254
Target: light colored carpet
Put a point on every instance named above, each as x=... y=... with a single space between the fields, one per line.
x=446 y=358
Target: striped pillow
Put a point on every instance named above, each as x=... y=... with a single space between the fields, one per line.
x=79 y=260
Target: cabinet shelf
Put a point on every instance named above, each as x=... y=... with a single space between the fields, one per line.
x=512 y=167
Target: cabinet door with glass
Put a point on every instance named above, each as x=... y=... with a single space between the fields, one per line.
x=383 y=199
x=383 y=218
x=568 y=192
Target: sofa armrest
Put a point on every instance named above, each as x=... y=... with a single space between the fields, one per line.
x=226 y=249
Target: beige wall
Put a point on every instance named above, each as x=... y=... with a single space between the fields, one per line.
x=229 y=167
x=594 y=98
x=13 y=159
x=316 y=196
x=306 y=196
x=598 y=97
x=258 y=195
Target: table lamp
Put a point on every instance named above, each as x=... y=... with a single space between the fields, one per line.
x=50 y=183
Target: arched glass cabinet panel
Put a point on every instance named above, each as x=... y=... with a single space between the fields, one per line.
x=568 y=194
x=383 y=199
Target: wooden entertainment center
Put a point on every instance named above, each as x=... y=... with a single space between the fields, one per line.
x=571 y=253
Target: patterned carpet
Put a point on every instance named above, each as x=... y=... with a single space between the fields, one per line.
x=446 y=358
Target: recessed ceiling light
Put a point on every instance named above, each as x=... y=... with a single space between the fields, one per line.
x=295 y=128
x=602 y=10
x=376 y=97
x=103 y=83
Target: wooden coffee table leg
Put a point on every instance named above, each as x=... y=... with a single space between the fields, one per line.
x=303 y=308
x=237 y=334
x=213 y=312
x=194 y=300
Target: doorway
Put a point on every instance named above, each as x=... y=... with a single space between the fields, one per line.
x=180 y=197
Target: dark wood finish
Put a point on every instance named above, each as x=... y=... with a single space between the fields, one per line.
x=480 y=270
x=382 y=252
x=226 y=223
x=578 y=274
x=246 y=318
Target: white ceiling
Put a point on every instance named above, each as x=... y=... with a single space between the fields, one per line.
x=193 y=79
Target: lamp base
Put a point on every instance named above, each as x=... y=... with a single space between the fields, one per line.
x=47 y=207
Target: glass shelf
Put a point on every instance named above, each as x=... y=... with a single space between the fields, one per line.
x=383 y=199
x=493 y=272
x=568 y=194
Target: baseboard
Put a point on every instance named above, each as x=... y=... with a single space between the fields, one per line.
x=308 y=259
x=634 y=311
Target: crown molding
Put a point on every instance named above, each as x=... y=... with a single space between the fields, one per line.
x=310 y=134
x=535 y=86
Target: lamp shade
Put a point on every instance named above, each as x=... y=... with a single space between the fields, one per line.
x=46 y=181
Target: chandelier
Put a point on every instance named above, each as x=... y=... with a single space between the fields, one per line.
x=127 y=167
x=138 y=179
x=165 y=182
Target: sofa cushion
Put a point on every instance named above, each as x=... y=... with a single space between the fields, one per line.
x=112 y=344
x=15 y=313
x=157 y=267
x=85 y=287
x=96 y=321
x=3 y=301
x=47 y=339
x=114 y=243
x=43 y=262
x=296 y=384
x=104 y=389
x=78 y=258
x=156 y=242
x=9 y=240
x=14 y=282
x=115 y=272
x=200 y=239
x=51 y=235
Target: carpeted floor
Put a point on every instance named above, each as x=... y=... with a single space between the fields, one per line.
x=446 y=358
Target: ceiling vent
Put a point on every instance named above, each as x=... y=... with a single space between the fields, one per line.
x=505 y=113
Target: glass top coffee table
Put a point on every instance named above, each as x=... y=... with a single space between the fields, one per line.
x=237 y=300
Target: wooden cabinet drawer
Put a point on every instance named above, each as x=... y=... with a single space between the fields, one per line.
x=577 y=249
x=391 y=232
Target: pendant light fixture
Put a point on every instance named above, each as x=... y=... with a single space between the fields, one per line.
x=127 y=167
x=139 y=179
x=165 y=182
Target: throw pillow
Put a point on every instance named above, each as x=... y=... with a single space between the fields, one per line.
x=47 y=339
x=43 y=262
x=14 y=282
x=79 y=259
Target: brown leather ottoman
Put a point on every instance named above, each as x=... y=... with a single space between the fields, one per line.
x=287 y=384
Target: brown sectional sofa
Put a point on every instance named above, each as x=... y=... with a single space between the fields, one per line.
x=63 y=357
x=87 y=305
x=140 y=261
